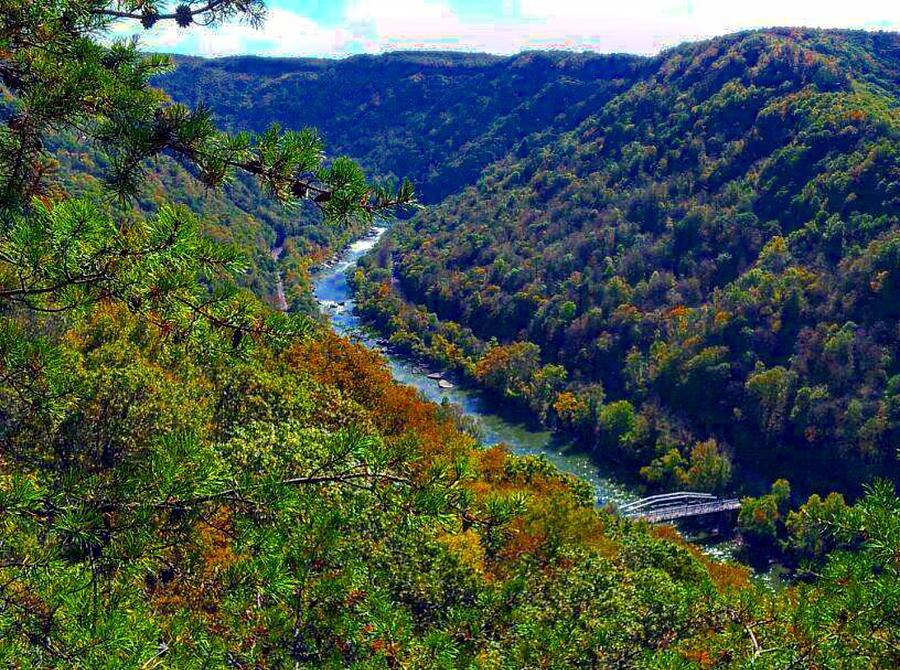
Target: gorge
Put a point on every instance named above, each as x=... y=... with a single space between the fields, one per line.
x=220 y=448
x=623 y=225
x=335 y=297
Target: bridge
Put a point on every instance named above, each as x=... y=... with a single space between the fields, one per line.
x=675 y=506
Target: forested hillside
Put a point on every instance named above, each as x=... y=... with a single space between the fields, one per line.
x=242 y=213
x=191 y=479
x=436 y=118
x=671 y=234
x=700 y=280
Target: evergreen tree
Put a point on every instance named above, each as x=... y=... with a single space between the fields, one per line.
x=188 y=480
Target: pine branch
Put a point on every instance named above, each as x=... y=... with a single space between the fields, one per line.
x=235 y=494
x=302 y=188
x=174 y=16
x=231 y=494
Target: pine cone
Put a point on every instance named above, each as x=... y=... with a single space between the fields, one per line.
x=149 y=18
x=184 y=16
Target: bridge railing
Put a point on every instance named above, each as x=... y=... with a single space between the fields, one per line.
x=684 y=511
x=678 y=505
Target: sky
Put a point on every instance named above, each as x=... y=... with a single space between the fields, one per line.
x=334 y=28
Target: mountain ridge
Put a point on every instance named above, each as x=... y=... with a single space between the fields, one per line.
x=189 y=478
x=418 y=113
x=732 y=190
x=760 y=108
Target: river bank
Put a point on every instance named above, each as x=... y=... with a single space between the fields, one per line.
x=335 y=298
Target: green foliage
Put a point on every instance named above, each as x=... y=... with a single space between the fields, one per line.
x=438 y=117
x=714 y=244
x=191 y=480
x=93 y=100
x=762 y=518
x=707 y=469
x=804 y=527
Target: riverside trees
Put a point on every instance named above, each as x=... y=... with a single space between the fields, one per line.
x=189 y=480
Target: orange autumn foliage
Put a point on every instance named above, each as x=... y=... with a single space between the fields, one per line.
x=363 y=376
x=397 y=411
x=568 y=407
x=201 y=594
x=725 y=576
x=701 y=657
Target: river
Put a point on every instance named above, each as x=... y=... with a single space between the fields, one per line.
x=336 y=299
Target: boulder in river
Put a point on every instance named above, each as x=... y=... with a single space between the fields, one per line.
x=444 y=384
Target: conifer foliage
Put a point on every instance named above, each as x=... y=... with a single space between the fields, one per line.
x=189 y=481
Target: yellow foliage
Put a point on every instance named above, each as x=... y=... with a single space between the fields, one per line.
x=568 y=406
x=467 y=548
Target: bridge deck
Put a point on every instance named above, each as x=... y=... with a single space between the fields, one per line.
x=675 y=512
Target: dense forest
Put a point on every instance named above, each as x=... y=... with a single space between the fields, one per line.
x=700 y=280
x=192 y=479
x=575 y=187
x=241 y=213
x=437 y=118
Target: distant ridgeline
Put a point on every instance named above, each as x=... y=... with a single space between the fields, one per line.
x=681 y=259
x=438 y=118
x=689 y=260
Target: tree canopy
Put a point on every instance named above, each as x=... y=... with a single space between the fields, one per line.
x=189 y=479
x=712 y=244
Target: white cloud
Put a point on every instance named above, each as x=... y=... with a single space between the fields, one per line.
x=412 y=24
x=645 y=26
x=637 y=26
x=718 y=14
x=285 y=33
x=368 y=25
x=402 y=21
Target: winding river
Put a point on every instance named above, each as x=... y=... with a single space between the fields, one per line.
x=336 y=299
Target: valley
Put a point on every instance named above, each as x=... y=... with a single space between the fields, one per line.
x=634 y=284
x=599 y=252
x=633 y=233
x=335 y=297
x=265 y=403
